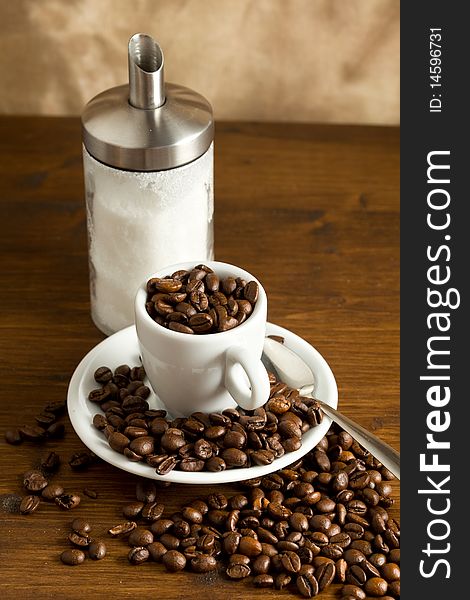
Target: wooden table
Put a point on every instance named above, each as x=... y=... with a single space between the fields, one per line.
x=312 y=210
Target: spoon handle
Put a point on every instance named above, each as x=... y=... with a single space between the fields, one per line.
x=387 y=455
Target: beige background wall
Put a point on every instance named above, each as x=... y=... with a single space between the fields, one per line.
x=294 y=60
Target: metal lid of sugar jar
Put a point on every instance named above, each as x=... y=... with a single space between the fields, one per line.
x=147 y=125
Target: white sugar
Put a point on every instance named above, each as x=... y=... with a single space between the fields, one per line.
x=139 y=223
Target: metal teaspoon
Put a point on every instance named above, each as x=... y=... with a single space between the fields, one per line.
x=293 y=371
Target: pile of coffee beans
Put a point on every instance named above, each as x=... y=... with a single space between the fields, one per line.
x=37 y=483
x=81 y=539
x=324 y=519
x=320 y=521
x=197 y=301
x=201 y=442
x=46 y=427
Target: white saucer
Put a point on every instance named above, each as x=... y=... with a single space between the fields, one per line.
x=122 y=348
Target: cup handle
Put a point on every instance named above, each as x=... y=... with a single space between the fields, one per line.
x=247 y=398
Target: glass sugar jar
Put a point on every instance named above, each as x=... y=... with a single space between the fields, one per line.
x=148 y=168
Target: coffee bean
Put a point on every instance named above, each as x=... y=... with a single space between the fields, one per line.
x=201 y=322
x=394 y=556
x=249 y=546
x=45 y=419
x=191 y=514
x=167 y=285
x=13 y=437
x=81 y=526
x=140 y=537
x=161 y=526
x=278 y=404
x=376 y=586
x=239 y=559
x=290 y=562
x=353 y=556
x=325 y=574
x=132 y=456
x=238 y=571
x=99 y=395
x=263 y=581
x=231 y=542
x=132 y=510
x=261 y=564
x=298 y=521
x=215 y=464
x=391 y=538
x=390 y=572
x=145 y=491
x=152 y=511
x=281 y=581
x=97 y=550
x=68 y=501
x=122 y=529
x=171 y=542
x=356 y=576
x=354 y=531
x=118 y=441
x=103 y=375
x=133 y=432
x=341 y=566
x=76 y=539
x=72 y=557
x=357 y=507
x=52 y=491
x=134 y=404
x=352 y=591
x=212 y=282
x=203 y=563
x=34 y=481
x=174 y=561
x=156 y=551
x=384 y=489
x=341 y=539
x=333 y=551
x=326 y=505
x=320 y=523
x=234 y=457
x=138 y=555
x=180 y=328
x=251 y=292
x=56 y=406
x=363 y=546
x=29 y=504
x=142 y=445
x=50 y=462
x=307 y=585
x=173 y=439
x=359 y=480
x=394 y=589
x=82 y=460
x=55 y=431
x=185 y=309
x=377 y=559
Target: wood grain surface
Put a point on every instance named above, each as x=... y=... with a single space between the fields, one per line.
x=312 y=211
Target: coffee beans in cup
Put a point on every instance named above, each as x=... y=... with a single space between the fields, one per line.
x=198 y=302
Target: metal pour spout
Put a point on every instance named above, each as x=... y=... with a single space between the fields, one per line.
x=146 y=82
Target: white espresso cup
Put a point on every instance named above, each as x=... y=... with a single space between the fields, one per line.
x=207 y=372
